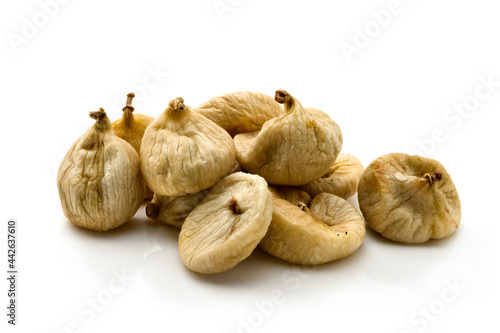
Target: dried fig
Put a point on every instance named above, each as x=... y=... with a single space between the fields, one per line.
x=173 y=210
x=329 y=229
x=341 y=180
x=183 y=152
x=409 y=199
x=290 y=194
x=227 y=225
x=131 y=127
x=240 y=112
x=293 y=149
x=99 y=180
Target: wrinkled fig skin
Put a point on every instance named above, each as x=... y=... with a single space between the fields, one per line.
x=330 y=229
x=131 y=127
x=342 y=178
x=240 y=112
x=227 y=225
x=183 y=152
x=409 y=199
x=291 y=194
x=173 y=210
x=99 y=181
x=293 y=149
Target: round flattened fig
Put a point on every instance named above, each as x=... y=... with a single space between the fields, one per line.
x=99 y=180
x=330 y=229
x=240 y=112
x=183 y=152
x=409 y=199
x=131 y=127
x=293 y=149
x=342 y=178
x=227 y=225
x=173 y=210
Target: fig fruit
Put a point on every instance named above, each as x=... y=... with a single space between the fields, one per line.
x=240 y=112
x=227 y=225
x=329 y=229
x=342 y=178
x=183 y=152
x=409 y=199
x=131 y=127
x=99 y=180
x=293 y=149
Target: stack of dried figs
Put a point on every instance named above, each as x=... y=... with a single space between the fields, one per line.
x=241 y=171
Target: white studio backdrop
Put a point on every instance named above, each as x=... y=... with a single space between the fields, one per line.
x=397 y=76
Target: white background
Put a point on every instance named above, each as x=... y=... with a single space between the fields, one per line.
x=395 y=94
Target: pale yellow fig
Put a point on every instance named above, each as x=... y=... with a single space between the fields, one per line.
x=342 y=178
x=409 y=198
x=291 y=194
x=240 y=112
x=99 y=180
x=293 y=149
x=173 y=210
x=183 y=152
x=329 y=229
x=131 y=127
x=227 y=225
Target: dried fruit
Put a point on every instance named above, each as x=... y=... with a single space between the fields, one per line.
x=131 y=127
x=329 y=229
x=99 y=180
x=341 y=180
x=409 y=199
x=183 y=152
x=227 y=225
x=293 y=149
x=240 y=112
x=291 y=194
x=173 y=210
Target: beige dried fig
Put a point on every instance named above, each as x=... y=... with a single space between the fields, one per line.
x=240 y=112
x=131 y=127
x=183 y=152
x=173 y=210
x=409 y=199
x=99 y=180
x=293 y=149
x=291 y=194
x=342 y=178
x=329 y=229
x=227 y=225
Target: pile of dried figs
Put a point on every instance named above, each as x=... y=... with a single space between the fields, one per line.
x=244 y=170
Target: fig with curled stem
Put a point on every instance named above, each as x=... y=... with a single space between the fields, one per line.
x=409 y=199
x=295 y=148
x=131 y=127
x=183 y=152
x=99 y=180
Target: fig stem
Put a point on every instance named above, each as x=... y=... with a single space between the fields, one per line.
x=233 y=206
x=177 y=104
x=151 y=210
x=102 y=121
x=433 y=177
x=129 y=106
